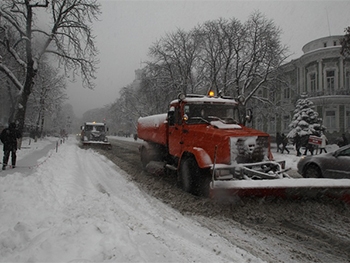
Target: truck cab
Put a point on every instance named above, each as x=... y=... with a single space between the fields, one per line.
x=211 y=128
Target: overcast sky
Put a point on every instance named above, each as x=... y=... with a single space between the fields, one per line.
x=128 y=28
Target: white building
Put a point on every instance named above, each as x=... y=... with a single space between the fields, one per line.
x=322 y=74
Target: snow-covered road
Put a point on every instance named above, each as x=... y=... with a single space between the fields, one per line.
x=75 y=205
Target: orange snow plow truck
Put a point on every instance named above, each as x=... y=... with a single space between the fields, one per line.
x=203 y=141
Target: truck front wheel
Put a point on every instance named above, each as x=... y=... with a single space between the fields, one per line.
x=193 y=179
x=187 y=171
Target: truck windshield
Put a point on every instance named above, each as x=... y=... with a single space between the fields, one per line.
x=202 y=113
x=99 y=128
x=88 y=128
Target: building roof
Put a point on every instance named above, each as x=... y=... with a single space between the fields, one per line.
x=324 y=42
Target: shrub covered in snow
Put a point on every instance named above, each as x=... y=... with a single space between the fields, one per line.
x=305 y=120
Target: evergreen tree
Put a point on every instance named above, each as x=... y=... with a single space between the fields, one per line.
x=305 y=120
x=345 y=43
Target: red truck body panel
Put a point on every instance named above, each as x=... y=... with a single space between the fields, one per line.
x=209 y=138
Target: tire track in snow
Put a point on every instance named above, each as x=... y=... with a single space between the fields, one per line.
x=258 y=219
x=161 y=224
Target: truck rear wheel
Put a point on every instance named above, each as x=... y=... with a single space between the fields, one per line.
x=151 y=152
x=144 y=157
x=193 y=179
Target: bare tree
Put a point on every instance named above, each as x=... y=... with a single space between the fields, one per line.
x=69 y=38
x=220 y=42
x=240 y=58
x=233 y=58
x=212 y=52
x=262 y=54
x=155 y=91
x=48 y=93
x=175 y=56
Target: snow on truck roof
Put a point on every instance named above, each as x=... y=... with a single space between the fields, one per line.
x=205 y=99
x=95 y=123
x=153 y=120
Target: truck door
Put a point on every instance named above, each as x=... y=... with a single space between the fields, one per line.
x=175 y=133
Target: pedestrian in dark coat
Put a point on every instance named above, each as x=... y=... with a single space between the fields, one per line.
x=345 y=140
x=279 y=141
x=284 y=143
x=9 y=138
x=342 y=141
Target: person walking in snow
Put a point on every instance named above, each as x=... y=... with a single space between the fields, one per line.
x=323 y=143
x=345 y=140
x=284 y=143
x=342 y=141
x=279 y=141
x=9 y=138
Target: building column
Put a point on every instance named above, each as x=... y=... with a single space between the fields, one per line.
x=302 y=79
x=341 y=75
x=320 y=82
x=298 y=80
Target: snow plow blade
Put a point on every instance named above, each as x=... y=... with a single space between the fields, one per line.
x=97 y=145
x=286 y=188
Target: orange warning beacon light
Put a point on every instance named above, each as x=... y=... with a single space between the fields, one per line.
x=211 y=93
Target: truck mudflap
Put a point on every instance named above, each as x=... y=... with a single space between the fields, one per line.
x=287 y=188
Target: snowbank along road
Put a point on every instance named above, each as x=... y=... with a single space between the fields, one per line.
x=76 y=206
x=273 y=230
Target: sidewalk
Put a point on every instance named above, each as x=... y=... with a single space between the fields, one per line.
x=31 y=155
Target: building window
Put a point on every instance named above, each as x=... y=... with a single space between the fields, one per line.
x=286 y=122
x=313 y=83
x=325 y=44
x=334 y=43
x=347 y=120
x=330 y=121
x=286 y=93
x=330 y=82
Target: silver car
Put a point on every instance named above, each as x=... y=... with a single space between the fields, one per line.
x=329 y=165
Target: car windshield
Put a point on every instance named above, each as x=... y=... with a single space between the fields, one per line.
x=345 y=152
x=204 y=113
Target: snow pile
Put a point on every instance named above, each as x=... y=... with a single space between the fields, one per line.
x=221 y=125
x=75 y=205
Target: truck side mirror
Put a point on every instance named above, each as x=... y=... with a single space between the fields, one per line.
x=171 y=118
x=249 y=116
x=185 y=117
